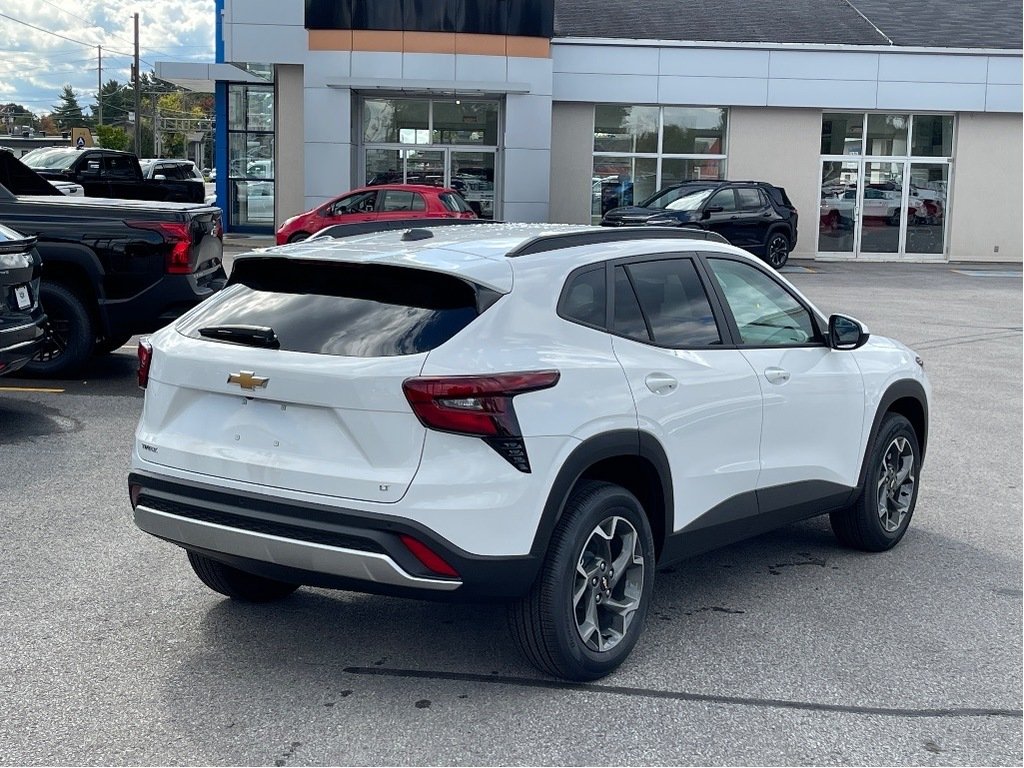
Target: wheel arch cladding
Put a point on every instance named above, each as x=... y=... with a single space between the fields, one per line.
x=630 y=458
x=908 y=399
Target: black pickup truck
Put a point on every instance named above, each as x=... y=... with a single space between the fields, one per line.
x=110 y=174
x=111 y=268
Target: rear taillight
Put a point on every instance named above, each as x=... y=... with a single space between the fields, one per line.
x=478 y=405
x=433 y=561
x=178 y=259
x=145 y=358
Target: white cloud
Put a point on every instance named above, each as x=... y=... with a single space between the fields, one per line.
x=34 y=66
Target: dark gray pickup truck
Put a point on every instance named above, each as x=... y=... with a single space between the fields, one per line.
x=110 y=268
x=111 y=174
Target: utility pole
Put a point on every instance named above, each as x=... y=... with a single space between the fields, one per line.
x=156 y=123
x=99 y=93
x=138 y=96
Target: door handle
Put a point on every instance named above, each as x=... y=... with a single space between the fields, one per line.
x=660 y=383
x=776 y=375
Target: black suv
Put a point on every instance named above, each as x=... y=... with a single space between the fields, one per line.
x=22 y=321
x=753 y=215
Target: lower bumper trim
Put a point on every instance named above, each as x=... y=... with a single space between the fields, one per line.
x=290 y=553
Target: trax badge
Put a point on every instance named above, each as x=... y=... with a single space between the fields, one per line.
x=247 y=380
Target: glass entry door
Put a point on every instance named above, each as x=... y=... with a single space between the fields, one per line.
x=877 y=208
x=470 y=172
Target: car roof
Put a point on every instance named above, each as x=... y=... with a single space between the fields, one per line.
x=400 y=188
x=481 y=252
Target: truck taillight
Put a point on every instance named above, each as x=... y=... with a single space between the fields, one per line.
x=145 y=358
x=480 y=406
x=177 y=260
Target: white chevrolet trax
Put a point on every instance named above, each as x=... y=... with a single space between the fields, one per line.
x=537 y=414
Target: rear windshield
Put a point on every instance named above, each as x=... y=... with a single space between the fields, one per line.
x=349 y=310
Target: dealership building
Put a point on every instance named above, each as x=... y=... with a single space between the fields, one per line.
x=894 y=127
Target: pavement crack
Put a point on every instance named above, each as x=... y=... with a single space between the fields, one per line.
x=652 y=693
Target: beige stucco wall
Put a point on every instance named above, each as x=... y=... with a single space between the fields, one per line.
x=572 y=162
x=782 y=147
x=289 y=146
x=988 y=188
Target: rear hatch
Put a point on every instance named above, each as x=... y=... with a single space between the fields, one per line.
x=292 y=376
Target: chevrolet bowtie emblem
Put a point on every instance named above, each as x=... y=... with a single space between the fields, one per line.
x=247 y=380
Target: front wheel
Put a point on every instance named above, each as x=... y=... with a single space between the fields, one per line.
x=776 y=250
x=298 y=237
x=69 y=334
x=880 y=516
x=237 y=584
x=585 y=612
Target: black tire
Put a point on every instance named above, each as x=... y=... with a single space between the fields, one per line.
x=545 y=624
x=776 y=249
x=861 y=524
x=108 y=345
x=236 y=584
x=298 y=237
x=70 y=334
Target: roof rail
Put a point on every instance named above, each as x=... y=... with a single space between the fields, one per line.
x=372 y=227
x=556 y=242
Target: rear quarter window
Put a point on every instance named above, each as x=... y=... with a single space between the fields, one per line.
x=348 y=310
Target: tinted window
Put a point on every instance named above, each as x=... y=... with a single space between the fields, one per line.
x=351 y=310
x=765 y=312
x=674 y=302
x=585 y=298
x=400 y=200
x=454 y=202
x=628 y=319
x=119 y=167
x=749 y=199
x=360 y=202
x=724 y=200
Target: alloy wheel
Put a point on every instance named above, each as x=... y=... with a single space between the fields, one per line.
x=778 y=250
x=895 y=484
x=608 y=583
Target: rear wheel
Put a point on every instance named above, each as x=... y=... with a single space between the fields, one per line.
x=880 y=516
x=776 y=250
x=237 y=584
x=585 y=612
x=69 y=333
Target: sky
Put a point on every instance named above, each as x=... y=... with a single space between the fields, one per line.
x=34 y=66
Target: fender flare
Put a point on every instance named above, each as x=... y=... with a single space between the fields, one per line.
x=608 y=445
x=75 y=254
x=898 y=390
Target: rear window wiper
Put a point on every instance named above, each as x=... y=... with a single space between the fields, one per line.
x=250 y=335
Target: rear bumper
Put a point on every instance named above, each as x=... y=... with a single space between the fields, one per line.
x=319 y=545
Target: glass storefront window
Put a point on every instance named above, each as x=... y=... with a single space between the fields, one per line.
x=694 y=131
x=625 y=129
x=465 y=122
x=932 y=136
x=929 y=186
x=251 y=155
x=384 y=166
x=842 y=133
x=403 y=121
x=887 y=135
x=675 y=170
x=622 y=180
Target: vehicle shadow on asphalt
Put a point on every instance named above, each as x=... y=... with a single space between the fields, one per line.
x=112 y=374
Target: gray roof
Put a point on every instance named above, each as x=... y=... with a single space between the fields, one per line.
x=930 y=23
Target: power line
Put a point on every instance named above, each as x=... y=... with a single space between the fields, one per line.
x=57 y=34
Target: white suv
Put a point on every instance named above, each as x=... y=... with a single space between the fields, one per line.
x=534 y=413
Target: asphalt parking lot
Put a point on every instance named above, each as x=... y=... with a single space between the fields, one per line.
x=781 y=650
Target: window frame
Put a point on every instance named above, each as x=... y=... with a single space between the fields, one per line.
x=818 y=322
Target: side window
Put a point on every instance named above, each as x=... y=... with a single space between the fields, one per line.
x=397 y=200
x=725 y=200
x=750 y=199
x=674 y=302
x=628 y=320
x=360 y=202
x=765 y=312
x=418 y=203
x=454 y=202
x=585 y=298
x=117 y=167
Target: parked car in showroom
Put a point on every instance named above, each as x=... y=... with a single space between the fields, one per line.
x=383 y=202
x=538 y=414
x=753 y=215
x=22 y=322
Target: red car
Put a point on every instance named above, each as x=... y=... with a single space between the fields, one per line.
x=379 y=203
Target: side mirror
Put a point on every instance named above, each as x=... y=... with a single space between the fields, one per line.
x=846 y=333
x=712 y=209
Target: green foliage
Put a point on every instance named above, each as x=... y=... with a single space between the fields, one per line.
x=68 y=114
x=110 y=137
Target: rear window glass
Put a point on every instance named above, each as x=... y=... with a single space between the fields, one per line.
x=454 y=202
x=349 y=310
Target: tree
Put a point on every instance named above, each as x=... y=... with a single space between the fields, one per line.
x=68 y=114
x=15 y=116
x=110 y=137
